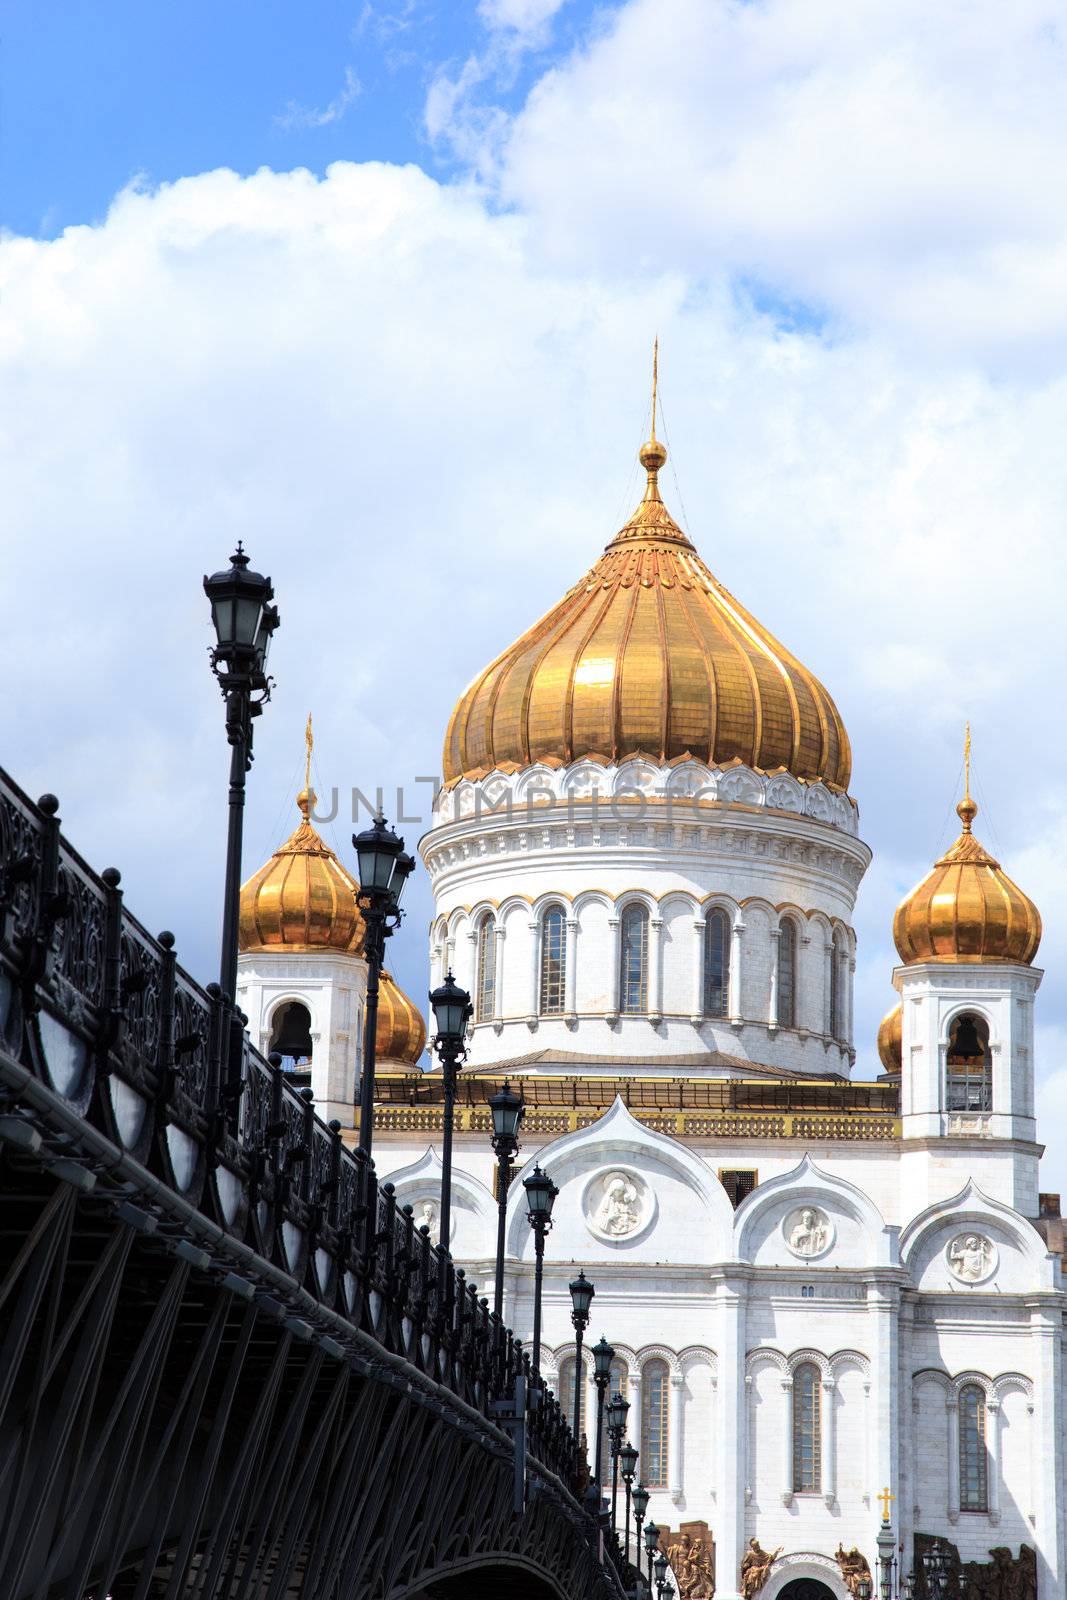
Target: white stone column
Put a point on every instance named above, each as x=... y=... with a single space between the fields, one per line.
x=731 y=1469
x=615 y=957
x=471 y=984
x=655 y=968
x=1046 y=1364
x=697 y=1005
x=993 y=1449
x=772 y=1007
x=498 y=989
x=952 y=1416
x=633 y=1419
x=736 y=933
x=570 y=969
x=533 y=993
x=675 y=1439
x=883 y=1303
x=829 y=1443
x=787 y=1441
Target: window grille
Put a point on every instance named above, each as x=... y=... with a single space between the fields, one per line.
x=553 y=961
x=655 y=1425
x=974 y=1460
x=716 y=963
x=969 y=1065
x=787 y=975
x=633 y=974
x=807 y=1430
x=486 y=1004
x=837 y=1010
x=738 y=1182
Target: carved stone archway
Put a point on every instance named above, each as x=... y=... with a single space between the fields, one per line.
x=810 y=1566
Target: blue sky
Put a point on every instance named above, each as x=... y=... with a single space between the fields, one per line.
x=97 y=93
x=847 y=223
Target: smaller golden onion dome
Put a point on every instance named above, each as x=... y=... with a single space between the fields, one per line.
x=890 y=1044
x=967 y=909
x=303 y=899
x=401 y=1031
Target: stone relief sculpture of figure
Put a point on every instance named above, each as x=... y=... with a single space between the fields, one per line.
x=619 y=1211
x=756 y=1563
x=429 y=1217
x=692 y=1560
x=1005 y=1577
x=810 y=1234
x=970 y=1257
x=853 y=1568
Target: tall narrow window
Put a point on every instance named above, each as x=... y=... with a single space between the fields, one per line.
x=716 y=963
x=565 y=1394
x=617 y=1385
x=486 y=998
x=974 y=1460
x=633 y=958
x=837 y=1010
x=969 y=1065
x=807 y=1430
x=787 y=974
x=553 y=961
x=654 y=1425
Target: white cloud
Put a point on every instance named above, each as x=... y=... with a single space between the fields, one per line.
x=297 y=116
x=420 y=412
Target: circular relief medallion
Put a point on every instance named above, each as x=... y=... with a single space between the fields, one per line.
x=428 y=1215
x=808 y=1232
x=618 y=1205
x=971 y=1257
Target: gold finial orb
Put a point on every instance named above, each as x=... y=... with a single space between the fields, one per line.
x=966 y=811
x=653 y=454
x=306 y=802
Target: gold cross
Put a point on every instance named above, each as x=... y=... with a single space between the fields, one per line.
x=885 y=1497
x=655 y=383
x=309 y=740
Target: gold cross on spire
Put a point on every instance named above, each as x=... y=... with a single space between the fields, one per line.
x=884 y=1498
x=655 y=383
x=309 y=740
x=967 y=762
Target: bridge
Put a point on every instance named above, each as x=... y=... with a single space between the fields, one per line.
x=230 y=1364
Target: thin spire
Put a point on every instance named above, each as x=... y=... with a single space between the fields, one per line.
x=967 y=762
x=655 y=383
x=309 y=740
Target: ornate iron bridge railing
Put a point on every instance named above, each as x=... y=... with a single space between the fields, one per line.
x=230 y=1364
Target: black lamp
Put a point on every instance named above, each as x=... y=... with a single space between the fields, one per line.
x=541 y=1193
x=618 y=1409
x=641 y=1503
x=451 y=1011
x=603 y=1356
x=507 y=1108
x=582 y=1293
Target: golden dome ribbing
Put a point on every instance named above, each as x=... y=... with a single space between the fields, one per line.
x=650 y=655
x=967 y=909
x=303 y=899
x=890 y=1039
x=401 y=1031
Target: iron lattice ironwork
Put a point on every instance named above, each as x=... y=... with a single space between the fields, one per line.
x=230 y=1365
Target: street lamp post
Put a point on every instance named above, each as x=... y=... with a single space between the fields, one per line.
x=451 y=1010
x=383 y=871
x=618 y=1408
x=603 y=1356
x=628 y=1468
x=507 y=1108
x=244 y=622
x=582 y=1293
x=640 y=1498
x=651 y=1545
x=540 y=1195
x=660 y=1564
x=935 y=1566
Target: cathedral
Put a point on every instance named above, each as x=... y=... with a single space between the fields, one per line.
x=836 y=1306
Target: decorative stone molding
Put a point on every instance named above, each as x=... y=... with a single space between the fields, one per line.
x=618 y=1205
x=808 y=1232
x=972 y=1258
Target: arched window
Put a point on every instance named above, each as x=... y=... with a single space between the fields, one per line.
x=553 y=961
x=565 y=1394
x=485 y=1003
x=633 y=960
x=837 y=989
x=291 y=1036
x=969 y=1065
x=787 y=974
x=974 y=1461
x=617 y=1385
x=807 y=1430
x=654 y=1425
x=716 y=963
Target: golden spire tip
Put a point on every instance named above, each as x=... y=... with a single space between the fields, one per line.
x=967 y=810
x=652 y=454
x=305 y=800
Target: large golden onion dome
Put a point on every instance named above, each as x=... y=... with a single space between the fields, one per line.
x=648 y=654
x=890 y=1039
x=967 y=908
x=303 y=899
x=401 y=1032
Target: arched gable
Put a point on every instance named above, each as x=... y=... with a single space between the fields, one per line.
x=473 y=1206
x=860 y=1236
x=1017 y=1260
